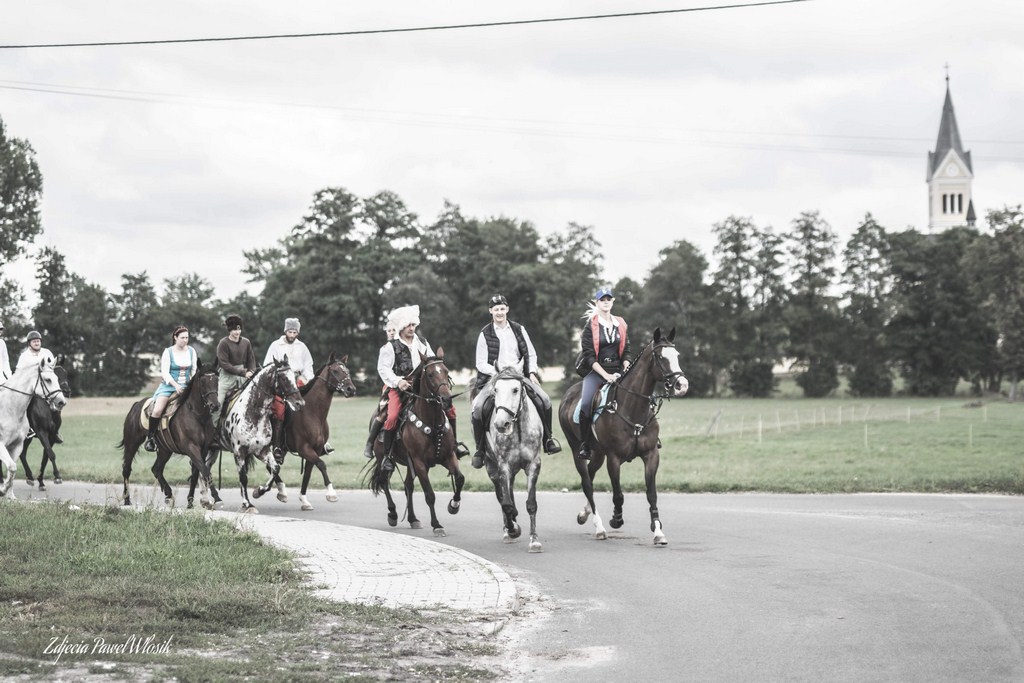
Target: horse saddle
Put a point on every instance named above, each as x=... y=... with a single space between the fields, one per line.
x=602 y=401
x=169 y=410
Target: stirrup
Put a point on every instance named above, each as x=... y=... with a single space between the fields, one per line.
x=328 y=448
x=150 y=444
x=388 y=465
x=552 y=446
x=583 y=454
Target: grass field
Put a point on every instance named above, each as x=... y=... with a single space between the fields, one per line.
x=785 y=445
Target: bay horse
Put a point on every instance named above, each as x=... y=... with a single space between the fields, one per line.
x=245 y=427
x=424 y=439
x=514 y=438
x=627 y=428
x=15 y=395
x=44 y=424
x=307 y=431
x=190 y=431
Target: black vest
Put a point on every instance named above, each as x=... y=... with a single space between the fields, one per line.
x=494 y=345
x=403 y=358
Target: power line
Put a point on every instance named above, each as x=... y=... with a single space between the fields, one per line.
x=410 y=29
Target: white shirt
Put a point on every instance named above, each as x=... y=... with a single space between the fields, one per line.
x=5 y=361
x=30 y=357
x=183 y=359
x=508 y=351
x=299 y=357
x=386 y=359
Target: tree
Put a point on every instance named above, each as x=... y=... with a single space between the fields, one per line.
x=995 y=264
x=867 y=280
x=812 y=313
x=21 y=186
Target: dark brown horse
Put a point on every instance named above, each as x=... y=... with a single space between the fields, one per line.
x=626 y=428
x=189 y=432
x=45 y=424
x=424 y=439
x=307 y=430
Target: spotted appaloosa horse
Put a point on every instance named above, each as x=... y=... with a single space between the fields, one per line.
x=45 y=422
x=189 y=432
x=245 y=429
x=15 y=395
x=513 y=443
x=425 y=439
x=627 y=428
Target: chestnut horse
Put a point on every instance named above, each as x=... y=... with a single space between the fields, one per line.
x=45 y=423
x=189 y=432
x=626 y=428
x=424 y=439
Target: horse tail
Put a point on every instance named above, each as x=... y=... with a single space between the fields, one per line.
x=372 y=476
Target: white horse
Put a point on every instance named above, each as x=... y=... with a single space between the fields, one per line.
x=15 y=395
x=513 y=443
x=245 y=429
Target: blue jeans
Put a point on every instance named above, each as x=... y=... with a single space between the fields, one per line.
x=592 y=383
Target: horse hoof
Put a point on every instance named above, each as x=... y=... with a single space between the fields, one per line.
x=516 y=531
x=507 y=539
x=660 y=540
x=306 y=507
x=392 y=520
x=218 y=505
x=535 y=547
x=332 y=499
x=207 y=505
x=283 y=497
x=42 y=486
x=582 y=517
x=416 y=525
x=58 y=480
x=601 y=536
x=616 y=522
x=440 y=532
x=258 y=492
x=31 y=482
x=169 y=501
x=453 y=507
x=251 y=510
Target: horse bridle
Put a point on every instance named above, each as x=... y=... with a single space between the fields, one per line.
x=339 y=383
x=519 y=409
x=669 y=377
x=39 y=383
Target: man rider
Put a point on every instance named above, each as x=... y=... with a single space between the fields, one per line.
x=505 y=343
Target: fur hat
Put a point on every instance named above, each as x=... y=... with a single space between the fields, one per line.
x=291 y=324
x=402 y=317
x=232 y=321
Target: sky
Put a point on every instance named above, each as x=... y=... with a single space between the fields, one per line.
x=176 y=158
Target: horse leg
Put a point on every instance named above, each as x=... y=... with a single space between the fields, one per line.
x=329 y=492
x=29 y=479
x=532 y=474
x=307 y=470
x=428 y=494
x=614 y=471
x=162 y=457
x=7 y=488
x=650 y=478
x=503 y=490
x=455 y=504
x=193 y=482
x=51 y=455
x=126 y=468
x=587 y=470
x=414 y=522
x=210 y=457
x=243 y=484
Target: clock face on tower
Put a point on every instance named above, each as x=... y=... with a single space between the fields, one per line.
x=952 y=170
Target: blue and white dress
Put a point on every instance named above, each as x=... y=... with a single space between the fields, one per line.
x=176 y=369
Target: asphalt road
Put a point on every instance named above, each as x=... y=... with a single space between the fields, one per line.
x=751 y=587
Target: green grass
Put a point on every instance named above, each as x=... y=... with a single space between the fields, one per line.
x=804 y=445
x=203 y=588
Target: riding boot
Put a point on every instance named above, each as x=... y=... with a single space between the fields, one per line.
x=479 y=435
x=154 y=422
x=551 y=444
x=460 y=448
x=375 y=426
x=388 y=464
x=585 y=436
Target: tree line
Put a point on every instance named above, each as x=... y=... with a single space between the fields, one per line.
x=929 y=309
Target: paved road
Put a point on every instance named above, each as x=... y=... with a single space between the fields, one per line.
x=751 y=587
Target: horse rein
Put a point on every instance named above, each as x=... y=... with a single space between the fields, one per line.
x=655 y=401
x=38 y=383
x=519 y=410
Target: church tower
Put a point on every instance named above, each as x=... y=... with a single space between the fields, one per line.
x=949 y=175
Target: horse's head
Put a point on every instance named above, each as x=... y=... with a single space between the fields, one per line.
x=62 y=377
x=284 y=383
x=48 y=387
x=337 y=376
x=665 y=358
x=205 y=383
x=433 y=380
x=509 y=395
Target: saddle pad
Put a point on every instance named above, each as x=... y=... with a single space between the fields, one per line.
x=169 y=410
x=602 y=400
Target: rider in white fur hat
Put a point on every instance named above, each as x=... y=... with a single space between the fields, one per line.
x=399 y=357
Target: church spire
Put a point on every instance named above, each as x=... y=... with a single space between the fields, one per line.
x=949 y=137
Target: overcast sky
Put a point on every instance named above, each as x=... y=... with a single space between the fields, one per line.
x=176 y=158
